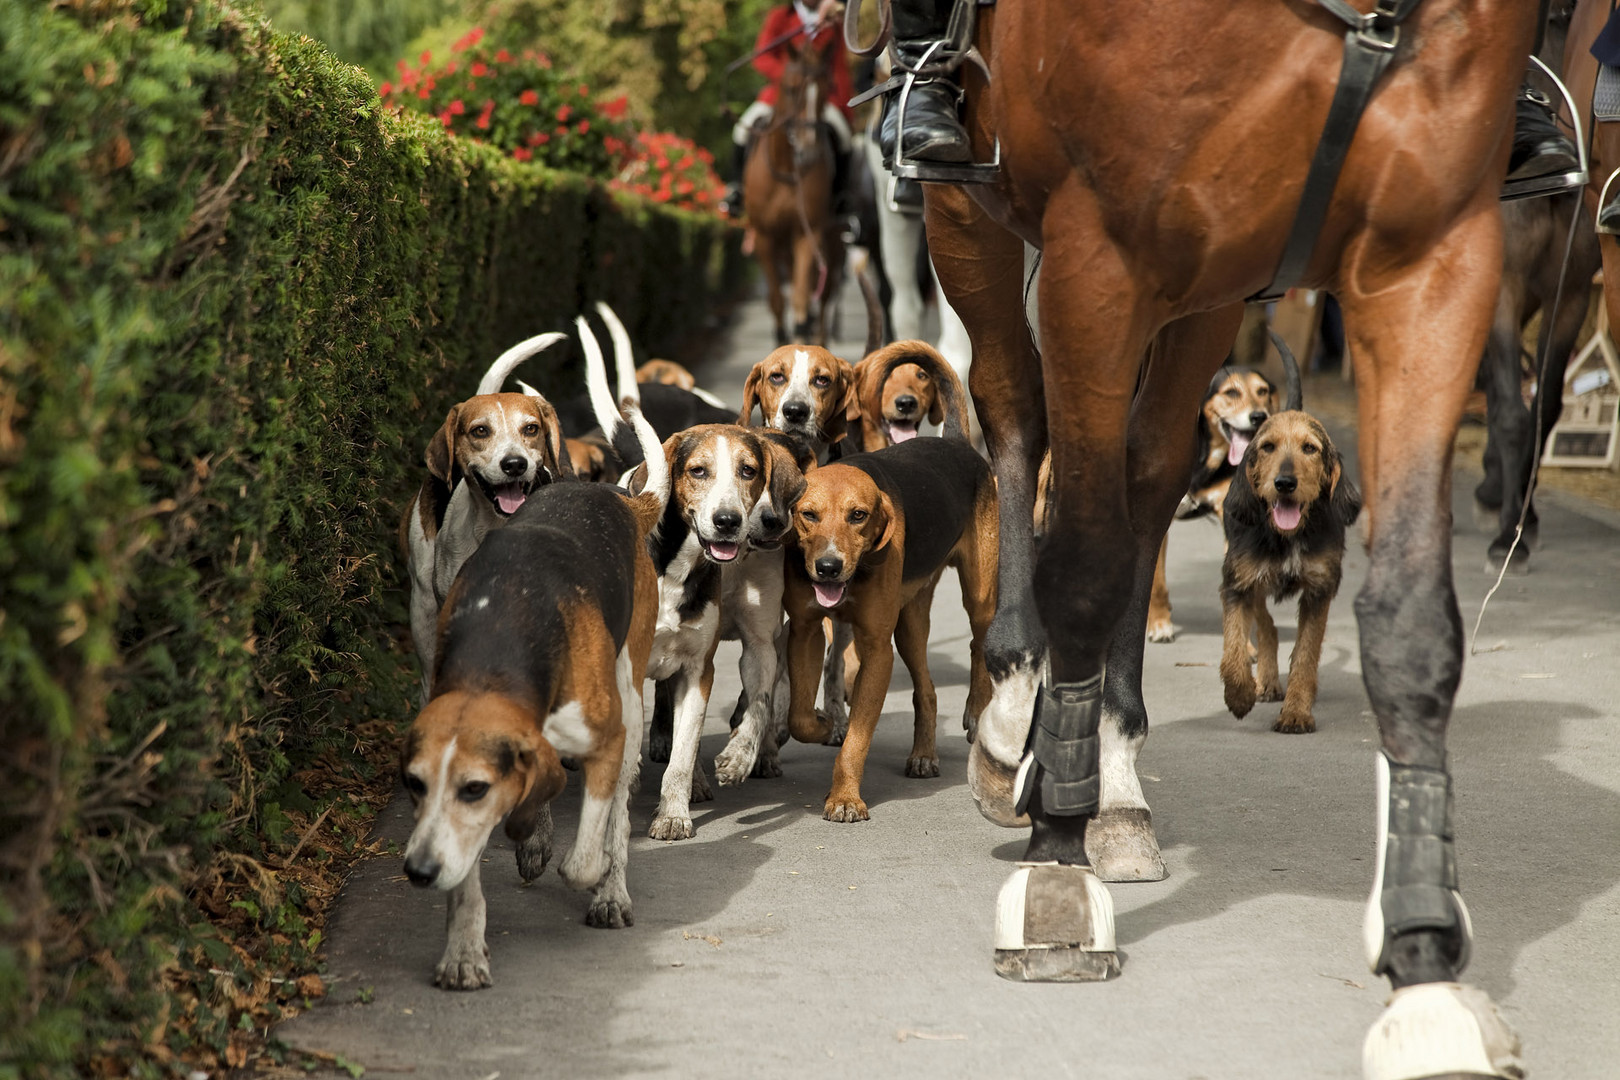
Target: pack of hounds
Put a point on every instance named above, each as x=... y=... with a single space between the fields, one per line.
x=541 y=603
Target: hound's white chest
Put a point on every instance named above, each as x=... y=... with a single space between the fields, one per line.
x=681 y=642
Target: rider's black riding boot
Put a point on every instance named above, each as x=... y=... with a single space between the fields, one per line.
x=840 y=180
x=733 y=202
x=1539 y=148
x=933 y=132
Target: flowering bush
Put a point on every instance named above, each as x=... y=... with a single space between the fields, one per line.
x=669 y=169
x=521 y=104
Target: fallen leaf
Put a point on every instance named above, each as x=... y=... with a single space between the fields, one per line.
x=710 y=938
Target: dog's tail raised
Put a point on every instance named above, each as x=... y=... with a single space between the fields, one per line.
x=603 y=407
x=881 y=364
x=1293 y=388
x=624 y=359
x=507 y=362
x=653 y=495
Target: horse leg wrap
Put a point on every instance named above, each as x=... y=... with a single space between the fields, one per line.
x=1415 y=881
x=1063 y=750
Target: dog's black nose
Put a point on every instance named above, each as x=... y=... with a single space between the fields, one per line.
x=795 y=412
x=1286 y=484
x=829 y=567
x=1257 y=418
x=514 y=465
x=422 y=871
x=905 y=404
x=727 y=521
x=771 y=523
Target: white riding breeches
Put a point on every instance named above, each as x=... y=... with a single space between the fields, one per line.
x=760 y=113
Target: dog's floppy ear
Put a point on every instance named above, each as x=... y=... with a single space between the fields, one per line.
x=561 y=464
x=543 y=781
x=441 y=450
x=784 y=482
x=849 y=401
x=936 y=411
x=887 y=512
x=1343 y=497
x=751 y=394
x=1242 y=510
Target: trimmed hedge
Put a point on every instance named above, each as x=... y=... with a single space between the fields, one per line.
x=235 y=299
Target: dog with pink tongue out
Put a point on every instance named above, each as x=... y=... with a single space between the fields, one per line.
x=873 y=533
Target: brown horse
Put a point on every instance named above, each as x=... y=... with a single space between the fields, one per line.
x=787 y=196
x=1158 y=210
x=1580 y=71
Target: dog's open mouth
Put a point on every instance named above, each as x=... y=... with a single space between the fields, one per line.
x=1236 y=442
x=902 y=430
x=829 y=594
x=721 y=551
x=506 y=497
x=1285 y=514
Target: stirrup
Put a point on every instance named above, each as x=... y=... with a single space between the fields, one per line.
x=939 y=172
x=1535 y=187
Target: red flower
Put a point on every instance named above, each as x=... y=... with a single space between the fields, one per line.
x=426 y=58
x=523 y=155
x=422 y=93
x=529 y=97
x=385 y=89
x=615 y=108
x=503 y=57
x=584 y=127
x=450 y=68
x=483 y=117
x=584 y=91
x=430 y=84
x=543 y=60
x=457 y=108
x=685 y=187
x=539 y=138
x=563 y=113
x=444 y=118
x=479 y=69
x=685 y=162
x=561 y=133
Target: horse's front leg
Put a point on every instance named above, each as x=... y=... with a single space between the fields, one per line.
x=806 y=246
x=770 y=262
x=981 y=270
x=1162 y=445
x=1417 y=332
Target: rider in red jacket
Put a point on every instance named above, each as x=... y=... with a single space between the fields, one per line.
x=825 y=35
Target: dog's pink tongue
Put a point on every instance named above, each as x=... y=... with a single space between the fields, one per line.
x=509 y=497
x=1286 y=516
x=1234 y=450
x=828 y=594
x=722 y=551
x=900 y=431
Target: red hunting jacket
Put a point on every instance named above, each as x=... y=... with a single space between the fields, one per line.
x=829 y=39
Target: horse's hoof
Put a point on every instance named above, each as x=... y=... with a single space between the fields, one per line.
x=1121 y=846
x=994 y=789
x=1055 y=924
x=1518 y=566
x=1486 y=518
x=1440 y=1030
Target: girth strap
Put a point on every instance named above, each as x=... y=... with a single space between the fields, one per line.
x=1369 y=46
x=1064 y=744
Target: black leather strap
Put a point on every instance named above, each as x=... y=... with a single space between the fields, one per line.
x=1369 y=46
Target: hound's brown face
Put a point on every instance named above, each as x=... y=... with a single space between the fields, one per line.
x=506 y=445
x=667 y=372
x=803 y=390
x=718 y=475
x=470 y=760
x=842 y=517
x=908 y=396
x=1240 y=404
x=1292 y=467
x=593 y=460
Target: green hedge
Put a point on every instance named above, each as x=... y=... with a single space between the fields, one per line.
x=235 y=299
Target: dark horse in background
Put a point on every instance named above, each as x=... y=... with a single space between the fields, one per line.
x=787 y=197
x=1536 y=235
x=1158 y=211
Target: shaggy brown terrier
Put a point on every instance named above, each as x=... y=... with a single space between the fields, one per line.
x=1286 y=514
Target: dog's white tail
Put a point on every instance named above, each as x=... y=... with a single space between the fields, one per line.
x=505 y=363
x=596 y=384
x=657 y=484
x=624 y=358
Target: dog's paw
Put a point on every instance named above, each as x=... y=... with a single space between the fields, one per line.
x=733 y=764
x=836 y=721
x=670 y=827
x=701 y=791
x=1162 y=631
x=922 y=768
x=1267 y=691
x=1294 y=721
x=848 y=809
x=1240 y=695
x=582 y=869
x=659 y=744
x=533 y=855
x=609 y=913
x=464 y=967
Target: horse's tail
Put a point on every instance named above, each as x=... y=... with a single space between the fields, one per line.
x=1293 y=389
x=881 y=364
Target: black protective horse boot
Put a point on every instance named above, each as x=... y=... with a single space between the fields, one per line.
x=1539 y=147
x=933 y=132
x=733 y=202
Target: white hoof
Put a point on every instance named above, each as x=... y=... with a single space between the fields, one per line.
x=1440 y=1029
x=1055 y=924
x=1122 y=846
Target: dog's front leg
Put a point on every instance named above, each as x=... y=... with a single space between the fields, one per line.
x=535 y=851
x=674 y=818
x=1236 y=676
x=1296 y=716
x=585 y=862
x=465 y=964
x=872 y=644
x=1267 y=681
x=805 y=642
x=834 y=683
x=610 y=903
x=750 y=737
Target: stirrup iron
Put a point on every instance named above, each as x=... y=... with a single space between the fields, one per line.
x=940 y=172
x=1534 y=187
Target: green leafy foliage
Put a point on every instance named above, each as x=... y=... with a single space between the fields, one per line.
x=236 y=296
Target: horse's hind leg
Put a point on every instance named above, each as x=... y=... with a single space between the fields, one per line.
x=981 y=269
x=770 y=262
x=1509 y=423
x=1415 y=331
x=804 y=278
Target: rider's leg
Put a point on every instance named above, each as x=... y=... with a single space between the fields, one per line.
x=741 y=133
x=1539 y=147
x=933 y=132
x=843 y=144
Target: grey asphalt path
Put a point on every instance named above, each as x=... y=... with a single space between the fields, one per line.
x=776 y=944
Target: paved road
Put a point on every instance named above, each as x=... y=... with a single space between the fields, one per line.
x=777 y=944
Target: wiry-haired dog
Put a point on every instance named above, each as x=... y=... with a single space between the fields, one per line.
x=1286 y=514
